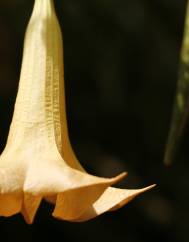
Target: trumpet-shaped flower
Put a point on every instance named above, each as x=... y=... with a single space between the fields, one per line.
x=38 y=161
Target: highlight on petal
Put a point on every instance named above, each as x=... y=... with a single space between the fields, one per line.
x=48 y=178
x=11 y=192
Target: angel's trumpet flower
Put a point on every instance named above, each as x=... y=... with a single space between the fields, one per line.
x=38 y=161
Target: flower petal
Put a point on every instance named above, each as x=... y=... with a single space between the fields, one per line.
x=69 y=185
x=112 y=199
x=71 y=204
x=10 y=204
x=50 y=178
x=11 y=182
x=29 y=208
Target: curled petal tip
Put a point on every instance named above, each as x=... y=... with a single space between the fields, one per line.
x=69 y=207
x=147 y=188
x=111 y=200
x=152 y=186
x=119 y=177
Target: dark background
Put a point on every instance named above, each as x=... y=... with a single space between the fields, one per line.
x=121 y=63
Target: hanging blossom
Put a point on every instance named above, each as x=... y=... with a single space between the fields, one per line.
x=38 y=161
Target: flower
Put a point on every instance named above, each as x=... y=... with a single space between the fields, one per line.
x=38 y=161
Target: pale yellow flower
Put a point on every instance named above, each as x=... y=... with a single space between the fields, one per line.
x=38 y=161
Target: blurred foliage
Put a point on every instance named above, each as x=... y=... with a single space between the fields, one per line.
x=121 y=63
x=181 y=106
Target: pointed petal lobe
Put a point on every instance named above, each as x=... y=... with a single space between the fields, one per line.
x=112 y=199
